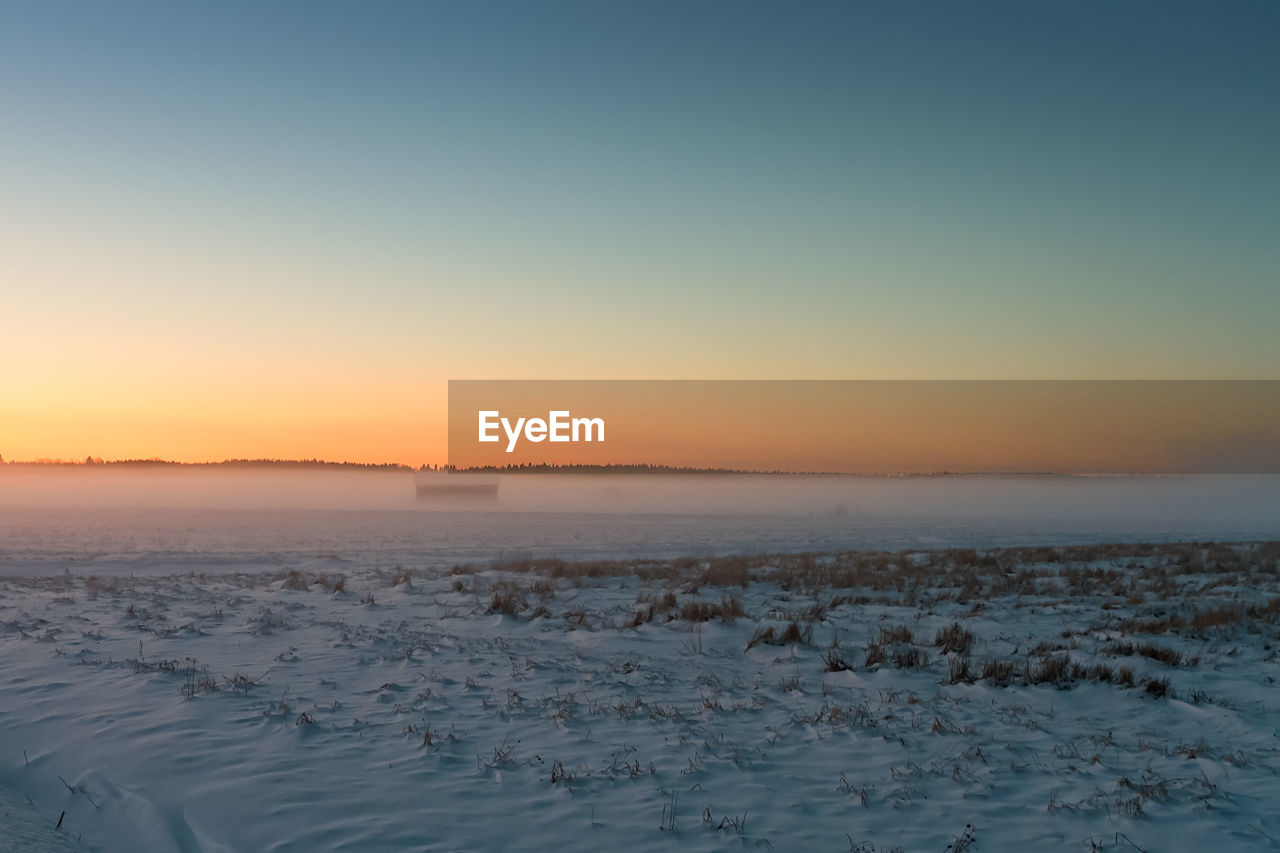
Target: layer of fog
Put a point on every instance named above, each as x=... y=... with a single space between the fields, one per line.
x=165 y=520
x=1244 y=500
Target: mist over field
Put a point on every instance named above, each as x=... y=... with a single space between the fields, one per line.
x=1242 y=498
x=160 y=487
x=107 y=520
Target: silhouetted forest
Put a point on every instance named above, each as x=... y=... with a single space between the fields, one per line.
x=523 y=468
x=644 y=468
x=290 y=464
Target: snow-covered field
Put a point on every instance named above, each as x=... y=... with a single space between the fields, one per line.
x=1072 y=697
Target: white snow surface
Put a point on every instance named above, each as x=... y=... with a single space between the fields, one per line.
x=203 y=686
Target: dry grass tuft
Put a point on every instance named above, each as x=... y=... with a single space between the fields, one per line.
x=793 y=634
x=954 y=638
x=727 y=571
x=295 y=580
x=895 y=634
x=507 y=600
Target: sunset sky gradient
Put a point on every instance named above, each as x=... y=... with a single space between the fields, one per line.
x=278 y=229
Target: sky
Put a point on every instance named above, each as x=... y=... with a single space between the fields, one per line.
x=278 y=229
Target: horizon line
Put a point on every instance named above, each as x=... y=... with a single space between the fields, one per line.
x=526 y=469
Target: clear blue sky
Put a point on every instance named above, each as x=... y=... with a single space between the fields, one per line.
x=269 y=207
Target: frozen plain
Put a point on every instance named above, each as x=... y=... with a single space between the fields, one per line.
x=212 y=679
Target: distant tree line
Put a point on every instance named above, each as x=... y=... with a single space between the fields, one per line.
x=647 y=468
x=623 y=468
x=521 y=468
x=293 y=464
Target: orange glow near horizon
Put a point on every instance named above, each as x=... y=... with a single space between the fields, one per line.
x=371 y=443
x=397 y=426
x=889 y=427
